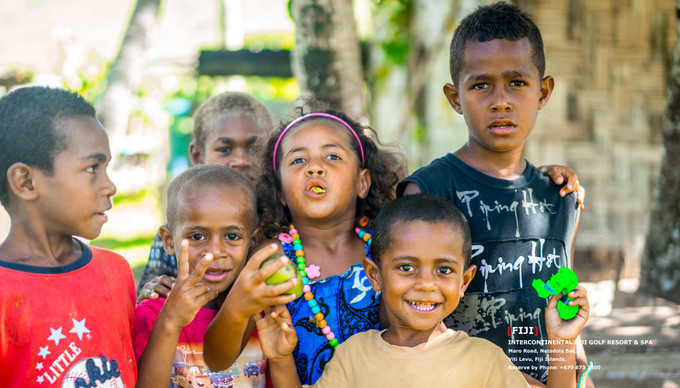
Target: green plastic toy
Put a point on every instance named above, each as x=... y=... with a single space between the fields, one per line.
x=562 y=282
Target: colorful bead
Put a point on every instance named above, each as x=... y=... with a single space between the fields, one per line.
x=363 y=222
x=293 y=239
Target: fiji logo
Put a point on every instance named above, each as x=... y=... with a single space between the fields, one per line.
x=523 y=330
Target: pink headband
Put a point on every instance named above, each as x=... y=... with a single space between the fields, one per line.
x=341 y=121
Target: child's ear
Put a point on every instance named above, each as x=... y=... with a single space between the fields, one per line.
x=467 y=278
x=256 y=237
x=364 y=182
x=196 y=154
x=373 y=274
x=168 y=241
x=547 y=85
x=451 y=93
x=21 y=179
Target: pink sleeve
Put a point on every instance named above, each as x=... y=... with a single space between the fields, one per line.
x=145 y=317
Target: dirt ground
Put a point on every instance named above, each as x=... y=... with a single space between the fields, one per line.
x=637 y=344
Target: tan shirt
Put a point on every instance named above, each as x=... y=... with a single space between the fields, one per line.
x=453 y=359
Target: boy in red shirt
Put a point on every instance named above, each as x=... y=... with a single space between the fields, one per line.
x=66 y=309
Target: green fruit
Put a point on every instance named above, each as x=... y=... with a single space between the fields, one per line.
x=284 y=273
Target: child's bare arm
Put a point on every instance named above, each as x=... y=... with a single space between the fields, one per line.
x=562 y=335
x=187 y=297
x=229 y=331
x=278 y=339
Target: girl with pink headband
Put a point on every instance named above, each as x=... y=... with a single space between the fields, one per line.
x=322 y=180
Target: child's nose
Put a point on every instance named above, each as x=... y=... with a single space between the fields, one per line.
x=500 y=100
x=110 y=188
x=315 y=168
x=425 y=281
x=238 y=159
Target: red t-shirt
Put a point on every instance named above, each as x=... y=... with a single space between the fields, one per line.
x=68 y=326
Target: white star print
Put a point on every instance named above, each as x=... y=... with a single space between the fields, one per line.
x=79 y=328
x=39 y=366
x=40 y=379
x=56 y=336
x=44 y=352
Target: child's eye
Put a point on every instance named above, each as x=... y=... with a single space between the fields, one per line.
x=224 y=150
x=253 y=149
x=196 y=236
x=479 y=86
x=444 y=270
x=298 y=161
x=406 y=268
x=333 y=157
x=233 y=237
x=518 y=83
x=92 y=169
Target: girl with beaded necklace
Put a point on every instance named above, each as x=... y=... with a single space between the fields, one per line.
x=322 y=179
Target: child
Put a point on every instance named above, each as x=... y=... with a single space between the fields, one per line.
x=521 y=228
x=228 y=130
x=421 y=264
x=212 y=216
x=67 y=308
x=321 y=173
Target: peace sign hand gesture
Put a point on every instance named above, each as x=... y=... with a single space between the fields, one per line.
x=189 y=293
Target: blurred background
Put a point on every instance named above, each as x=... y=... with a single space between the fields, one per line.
x=147 y=64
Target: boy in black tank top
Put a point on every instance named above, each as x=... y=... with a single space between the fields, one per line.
x=522 y=228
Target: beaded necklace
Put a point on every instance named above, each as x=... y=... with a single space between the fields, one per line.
x=293 y=240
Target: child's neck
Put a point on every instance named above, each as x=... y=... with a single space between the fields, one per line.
x=333 y=246
x=411 y=338
x=503 y=165
x=33 y=246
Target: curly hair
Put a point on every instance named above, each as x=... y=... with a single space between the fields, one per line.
x=230 y=103
x=386 y=168
x=28 y=132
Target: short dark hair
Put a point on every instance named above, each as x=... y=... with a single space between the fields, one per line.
x=499 y=20
x=206 y=177
x=27 y=128
x=428 y=208
x=230 y=104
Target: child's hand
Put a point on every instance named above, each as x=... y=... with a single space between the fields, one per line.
x=276 y=333
x=560 y=174
x=189 y=293
x=560 y=329
x=158 y=287
x=249 y=295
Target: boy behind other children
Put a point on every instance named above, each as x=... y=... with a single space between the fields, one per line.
x=67 y=308
x=521 y=228
x=421 y=264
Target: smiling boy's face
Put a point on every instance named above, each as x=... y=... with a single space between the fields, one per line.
x=215 y=220
x=422 y=277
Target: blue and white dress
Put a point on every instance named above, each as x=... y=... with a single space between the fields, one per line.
x=349 y=306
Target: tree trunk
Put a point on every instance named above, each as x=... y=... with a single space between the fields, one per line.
x=326 y=59
x=117 y=102
x=661 y=258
